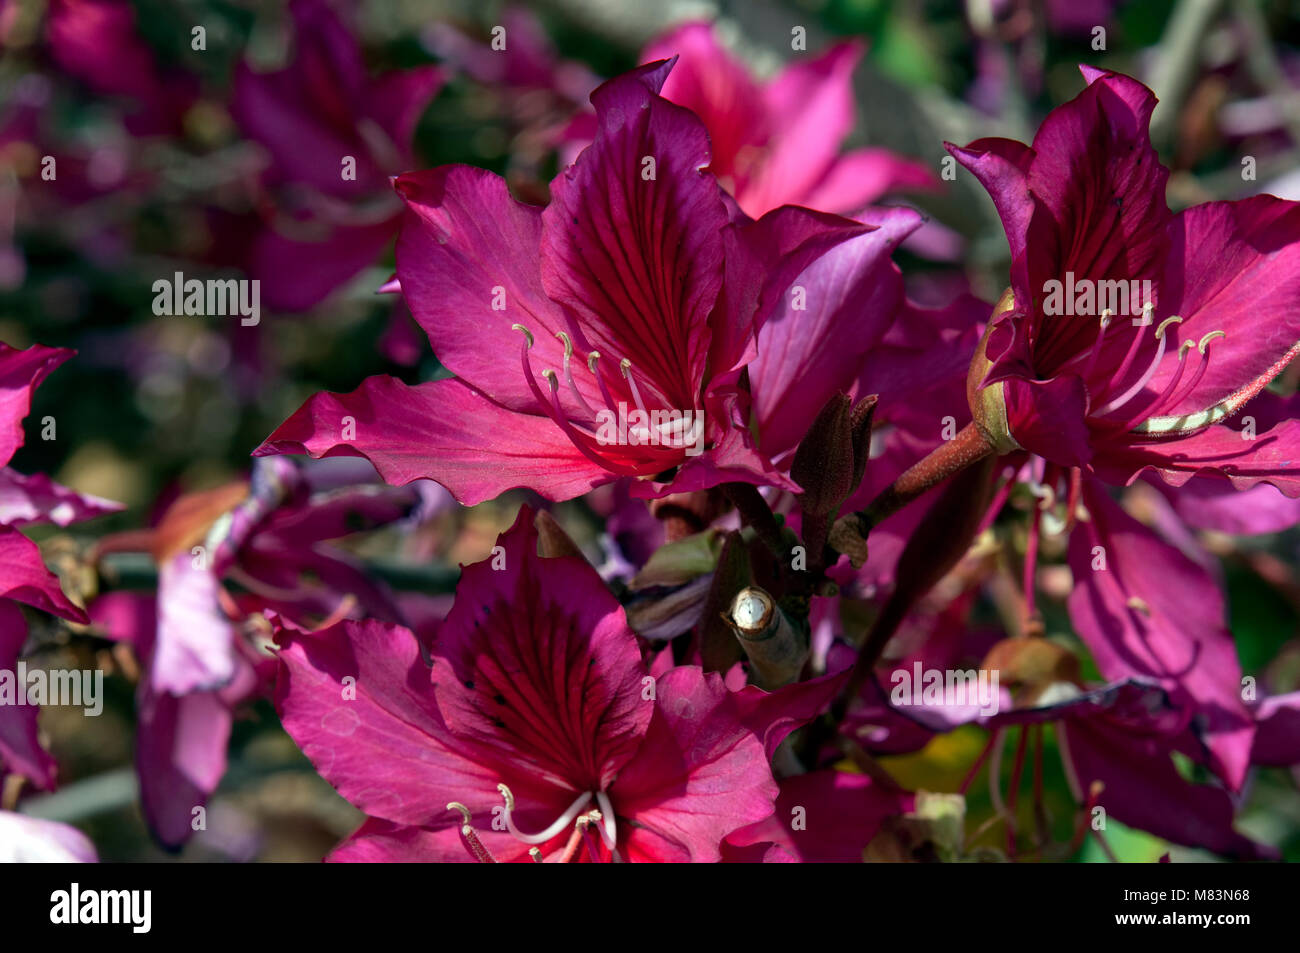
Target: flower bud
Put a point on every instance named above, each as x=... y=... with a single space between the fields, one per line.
x=825 y=463
x=988 y=405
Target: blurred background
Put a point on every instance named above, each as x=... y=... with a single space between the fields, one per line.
x=170 y=158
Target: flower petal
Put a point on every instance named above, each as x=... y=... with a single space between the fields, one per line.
x=536 y=666
x=444 y=431
x=631 y=240
x=21 y=372
x=1153 y=613
x=20 y=746
x=700 y=774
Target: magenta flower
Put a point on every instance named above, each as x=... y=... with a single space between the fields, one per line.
x=822 y=817
x=633 y=301
x=198 y=670
x=778 y=142
x=539 y=727
x=335 y=134
x=97 y=42
x=1120 y=388
x=25 y=500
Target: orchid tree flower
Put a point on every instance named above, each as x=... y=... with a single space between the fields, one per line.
x=601 y=337
x=778 y=142
x=537 y=731
x=1158 y=388
x=1083 y=394
x=200 y=664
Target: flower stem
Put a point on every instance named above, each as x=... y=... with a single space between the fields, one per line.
x=969 y=446
x=755 y=512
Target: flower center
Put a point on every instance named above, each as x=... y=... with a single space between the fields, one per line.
x=661 y=435
x=602 y=819
x=1120 y=407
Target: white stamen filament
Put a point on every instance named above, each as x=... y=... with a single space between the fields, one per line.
x=561 y=823
x=1118 y=402
x=608 y=833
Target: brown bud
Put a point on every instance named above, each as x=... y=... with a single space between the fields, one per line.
x=860 y=429
x=1031 y=665
x=824 y=463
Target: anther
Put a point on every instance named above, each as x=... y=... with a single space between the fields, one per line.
x=528 y=335
x=1117 y=402
x=1172 y=319
x=469 y=836
x=626 y=367
x=568 y=373
x=1205 y=341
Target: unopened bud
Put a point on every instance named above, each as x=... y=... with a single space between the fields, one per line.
x=988 y=404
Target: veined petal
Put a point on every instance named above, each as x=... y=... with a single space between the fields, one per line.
x=535 y=664
x=1225 y=450
x=1233 y=267
x=763 y=258
x=814 y=345
x=358 y=700
x=631 y=241
x=444 y=431
x=467 y=259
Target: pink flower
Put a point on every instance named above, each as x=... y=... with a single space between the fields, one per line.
x=778 y=142
x=633 y=293
x=198 y=669
x=97 y=42
x=335 y=134
x=538 y=727
x=1152 y=388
